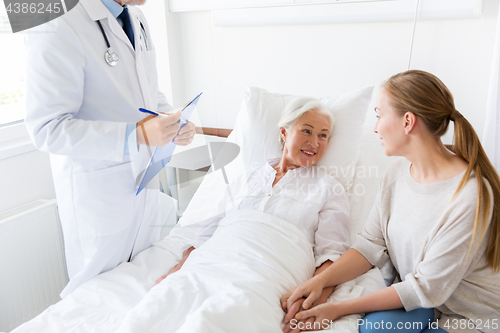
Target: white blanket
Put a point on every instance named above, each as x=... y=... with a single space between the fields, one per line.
x=232 y=283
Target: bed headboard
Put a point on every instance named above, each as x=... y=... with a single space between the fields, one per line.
x=220 y=132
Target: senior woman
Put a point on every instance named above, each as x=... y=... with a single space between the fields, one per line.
x=290 y=188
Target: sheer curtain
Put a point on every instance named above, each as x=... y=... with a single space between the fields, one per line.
x=491 y=133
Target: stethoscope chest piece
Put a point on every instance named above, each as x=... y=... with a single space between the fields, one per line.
x=111 y=57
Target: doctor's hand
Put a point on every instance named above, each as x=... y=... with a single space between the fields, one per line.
x=185 y=135
x=158 y=131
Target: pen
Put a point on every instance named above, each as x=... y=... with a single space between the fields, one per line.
x=145 y=36
x=159 y=114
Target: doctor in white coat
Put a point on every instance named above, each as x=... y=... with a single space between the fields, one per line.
x=84 y=112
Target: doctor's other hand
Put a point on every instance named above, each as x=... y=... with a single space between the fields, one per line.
x=158 y=131
x=185 y=135
x=311 y=290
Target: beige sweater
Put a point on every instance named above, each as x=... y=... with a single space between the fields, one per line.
x=427 y=238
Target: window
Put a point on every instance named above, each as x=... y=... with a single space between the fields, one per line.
x=12 y=71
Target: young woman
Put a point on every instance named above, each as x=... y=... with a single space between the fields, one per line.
x=436 y=217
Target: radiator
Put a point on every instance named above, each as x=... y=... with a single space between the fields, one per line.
x=32 y=264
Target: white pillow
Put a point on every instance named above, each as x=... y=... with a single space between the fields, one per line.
x=257 y=133
x=370 y=169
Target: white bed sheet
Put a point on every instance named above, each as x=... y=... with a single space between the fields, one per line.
x=236 y=289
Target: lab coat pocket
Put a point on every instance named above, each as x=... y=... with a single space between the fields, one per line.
x=104 y=200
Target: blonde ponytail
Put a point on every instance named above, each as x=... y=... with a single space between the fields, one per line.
x=466 y=145
x=428 y=98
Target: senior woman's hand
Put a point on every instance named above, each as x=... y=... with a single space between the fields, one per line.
x=176 y=267
x=293 y=326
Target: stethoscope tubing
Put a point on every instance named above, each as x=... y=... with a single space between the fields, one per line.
x=104 y=34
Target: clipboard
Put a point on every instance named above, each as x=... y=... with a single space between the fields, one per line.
x=162 y=155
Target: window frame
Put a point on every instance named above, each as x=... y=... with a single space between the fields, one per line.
x=14 y=140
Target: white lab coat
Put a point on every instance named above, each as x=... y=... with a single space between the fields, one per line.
x=77 y=110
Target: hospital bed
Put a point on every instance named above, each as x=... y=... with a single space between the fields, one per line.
x=122 y=300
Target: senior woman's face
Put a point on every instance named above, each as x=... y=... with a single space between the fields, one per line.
x=306 y=141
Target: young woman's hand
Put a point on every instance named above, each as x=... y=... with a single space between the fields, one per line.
x=295 y=325
x=310 y=289
x=323 y=314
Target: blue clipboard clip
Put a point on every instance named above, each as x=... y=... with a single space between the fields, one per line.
x=162 y=155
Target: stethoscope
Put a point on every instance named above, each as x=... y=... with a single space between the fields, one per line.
x=110 y=56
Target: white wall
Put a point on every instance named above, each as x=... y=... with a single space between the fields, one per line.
x=325 y=59
x=25 y=178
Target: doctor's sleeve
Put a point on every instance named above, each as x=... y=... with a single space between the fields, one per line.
x=131 y=146
x=55 y=63
x=332 y=235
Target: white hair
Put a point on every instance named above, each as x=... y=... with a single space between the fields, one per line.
x=297 y=108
